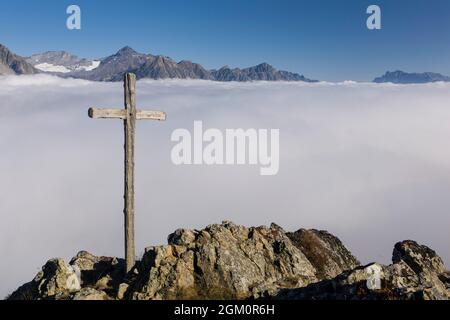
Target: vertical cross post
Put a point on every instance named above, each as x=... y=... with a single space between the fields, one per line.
x=129 y=115
x=129 y=125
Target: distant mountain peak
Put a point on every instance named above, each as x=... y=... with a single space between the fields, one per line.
x=150 y=66
x=127 y=51
x=401 y=77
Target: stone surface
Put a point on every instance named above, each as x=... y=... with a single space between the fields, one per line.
x=326 y=252
x=57 y=280
x=420 y=258
x=227 y=261
x=417 y=273
x=91 y=294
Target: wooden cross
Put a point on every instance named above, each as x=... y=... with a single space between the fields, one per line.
x=129 y=115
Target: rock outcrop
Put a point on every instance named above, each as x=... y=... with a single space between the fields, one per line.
x=222 y=261
x=228 y=261
x=326 y=252
x=417 y=273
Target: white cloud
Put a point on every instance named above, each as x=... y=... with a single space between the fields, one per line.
x=368 y=162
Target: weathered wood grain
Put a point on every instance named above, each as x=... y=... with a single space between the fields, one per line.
x=96 y=113
x=129 y=115
x=130 y=124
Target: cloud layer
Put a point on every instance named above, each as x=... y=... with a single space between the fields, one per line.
x=368 y=162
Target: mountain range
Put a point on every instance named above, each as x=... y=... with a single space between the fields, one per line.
x=409 y=78
x=150 y=66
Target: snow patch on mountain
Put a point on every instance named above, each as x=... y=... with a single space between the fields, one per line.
x=48 y=67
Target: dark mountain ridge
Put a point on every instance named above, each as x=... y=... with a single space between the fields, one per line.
x=150 y=66
x=401 y=77
x=11 y=63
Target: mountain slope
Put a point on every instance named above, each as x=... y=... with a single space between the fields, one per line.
x=260 y=72
x=11 y=63
x=401 y=77
x=149 y=66
x=113 y=67
x=61 y=61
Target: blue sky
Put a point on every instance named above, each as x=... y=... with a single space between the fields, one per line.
x=323 y=39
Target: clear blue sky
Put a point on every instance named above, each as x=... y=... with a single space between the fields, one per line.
x=323 y=39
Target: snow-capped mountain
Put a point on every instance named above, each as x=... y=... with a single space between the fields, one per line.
x=146 y=66
x=150 y=66
x=61 y=62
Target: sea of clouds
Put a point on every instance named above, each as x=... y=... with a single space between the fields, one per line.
x=368 y=162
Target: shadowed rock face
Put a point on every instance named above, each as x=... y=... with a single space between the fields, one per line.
x=326 y=252
x=417 y=257
x=11 y=63
x=235 y=262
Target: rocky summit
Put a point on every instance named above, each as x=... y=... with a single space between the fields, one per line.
x=228 y=261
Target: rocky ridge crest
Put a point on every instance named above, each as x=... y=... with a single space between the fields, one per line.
x=227 y=261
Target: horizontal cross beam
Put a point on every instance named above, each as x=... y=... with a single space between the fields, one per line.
x=96 y=113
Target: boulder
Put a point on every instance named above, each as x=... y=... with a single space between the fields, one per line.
x=416 y=274
x=222 y=261
x=57 y=280
x=419 y=257
x=102 y=273
x=325 y=252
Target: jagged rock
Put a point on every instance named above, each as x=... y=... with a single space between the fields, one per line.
x=57 y=280
x=414 y=275
x=98 y=271
x=235 y=262
x=101 y=273
x=226 y=261
x=182 y=237
x=91 y=294
x=325 y=252
x=419 y=258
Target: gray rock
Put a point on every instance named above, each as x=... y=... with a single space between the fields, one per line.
x=227 y=261
x=420 y=258
x=57 y=280
x=403 y=280
x=90 y=294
